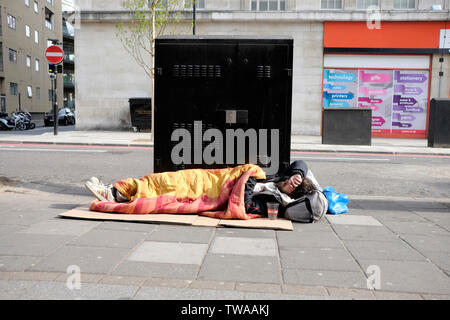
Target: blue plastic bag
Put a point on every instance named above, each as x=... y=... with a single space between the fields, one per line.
x=337 y=202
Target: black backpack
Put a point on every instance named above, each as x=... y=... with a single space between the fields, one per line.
x=307 y=209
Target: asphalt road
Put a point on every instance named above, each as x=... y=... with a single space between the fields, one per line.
x=68 y=167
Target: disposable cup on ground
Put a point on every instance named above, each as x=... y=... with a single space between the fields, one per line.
x=272 y=210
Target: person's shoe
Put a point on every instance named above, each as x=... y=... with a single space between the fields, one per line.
x=100 y=191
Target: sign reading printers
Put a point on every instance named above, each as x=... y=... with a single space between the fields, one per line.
x=398 y=98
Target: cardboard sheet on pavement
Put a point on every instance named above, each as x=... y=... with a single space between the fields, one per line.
x=183 y=219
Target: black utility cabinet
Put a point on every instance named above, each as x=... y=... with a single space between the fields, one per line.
x=141 y=113
x=439 y=123
x=347 y=126
x=227 y=82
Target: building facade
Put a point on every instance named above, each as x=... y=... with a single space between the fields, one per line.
x=26 y=27
x=330 y=37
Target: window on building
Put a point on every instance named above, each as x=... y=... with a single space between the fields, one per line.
x=364 y=4
x=50 y=1
x=331 y=4
x=49 y=18
x=50 y=95
x=36 y=36
x=27 y=31
x=11 y=21
x=268 y=5
x=404 y=4
x=29 y=92
x=199 y=4
x=28 y=62
x=38 y=93
x=36 y=7
x=27 y=3
x=13 y=89
x=36 y=64
x=12 y=55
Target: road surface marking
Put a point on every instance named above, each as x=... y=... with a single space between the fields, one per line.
x=54 y=150
x=328 y=158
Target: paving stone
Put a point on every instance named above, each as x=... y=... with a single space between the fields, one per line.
x=436 y=297
x=304 y=290
x=439 y=258
x=84 y=277
x=161 y=270
x=244 y=246
x=128 y=226
x=122 y=280
x=162 y=293
x=325 y=278
x=273 y=296
x=17 y=263
x=34 y=245
x=215 y=285
x=9 y=229
x=60 y=227
x=14 y=290
x=240 y=268
x=424 y=243
x=310 y=239
x=244 y=233
x=258 y=287
x=189 y=234
x=422 y=204
x=109 y=239
x=88 y=291
x=169 y=252
x=88 y=259
x=337 y=259
x=321 y=225
x=353 y=220
x=358 y=294
x=410 y=276
x=396 y=216
x=421 y=228
x=346 y=232
x=385 y=295
x=379 y=204
x=383 y=250
x=165 y=282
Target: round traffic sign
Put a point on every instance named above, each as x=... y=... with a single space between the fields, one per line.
x=54 y=54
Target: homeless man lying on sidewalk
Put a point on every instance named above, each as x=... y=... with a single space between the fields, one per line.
x=241 y=192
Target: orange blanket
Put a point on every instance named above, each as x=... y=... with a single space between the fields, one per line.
x=217 y=193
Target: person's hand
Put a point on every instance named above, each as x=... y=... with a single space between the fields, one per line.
x=295 y=181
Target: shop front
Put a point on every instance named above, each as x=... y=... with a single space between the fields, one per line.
x=387 y=70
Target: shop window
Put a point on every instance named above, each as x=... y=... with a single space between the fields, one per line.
x=404 y=4
x=12 y=55
x=11 y=22
x=268 y=5
x=331 y=4
x=365 y=4
x=13 y=89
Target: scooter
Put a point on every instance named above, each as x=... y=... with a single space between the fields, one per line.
x=26 y=118
x=9 y=123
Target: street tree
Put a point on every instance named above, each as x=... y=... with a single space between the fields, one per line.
x=148 y=20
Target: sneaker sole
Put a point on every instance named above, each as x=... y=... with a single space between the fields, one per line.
x=98 y=196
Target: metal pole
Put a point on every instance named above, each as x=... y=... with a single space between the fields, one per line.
x=55 y=112
x=193 y=16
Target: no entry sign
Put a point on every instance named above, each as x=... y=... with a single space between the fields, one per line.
x=54 y=54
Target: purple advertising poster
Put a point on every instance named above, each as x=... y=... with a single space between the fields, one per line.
x=375 y=92
x=410 y=101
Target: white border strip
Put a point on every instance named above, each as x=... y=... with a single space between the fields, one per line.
x=376 y=61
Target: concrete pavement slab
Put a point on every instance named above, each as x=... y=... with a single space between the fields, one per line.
x=244 y=246
x=419 y=228
x=312 y=239
x=162 y=293
x=325 y=278
x=33 y=245
x=221 y=267
x=383 y=250
x=13 y=289
x=410 y=276
x=439 y=259
x=353 y=220
x=88 y=259
x=350 y=232
x=161 y=270
x=245 y=233
x=425 y=243
x=17 y=263
x=169 y=252
x=181 y=234
x=336 y=259
x=45 y=290
x=128 y=226
x=109 y=239
x=60 y=227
